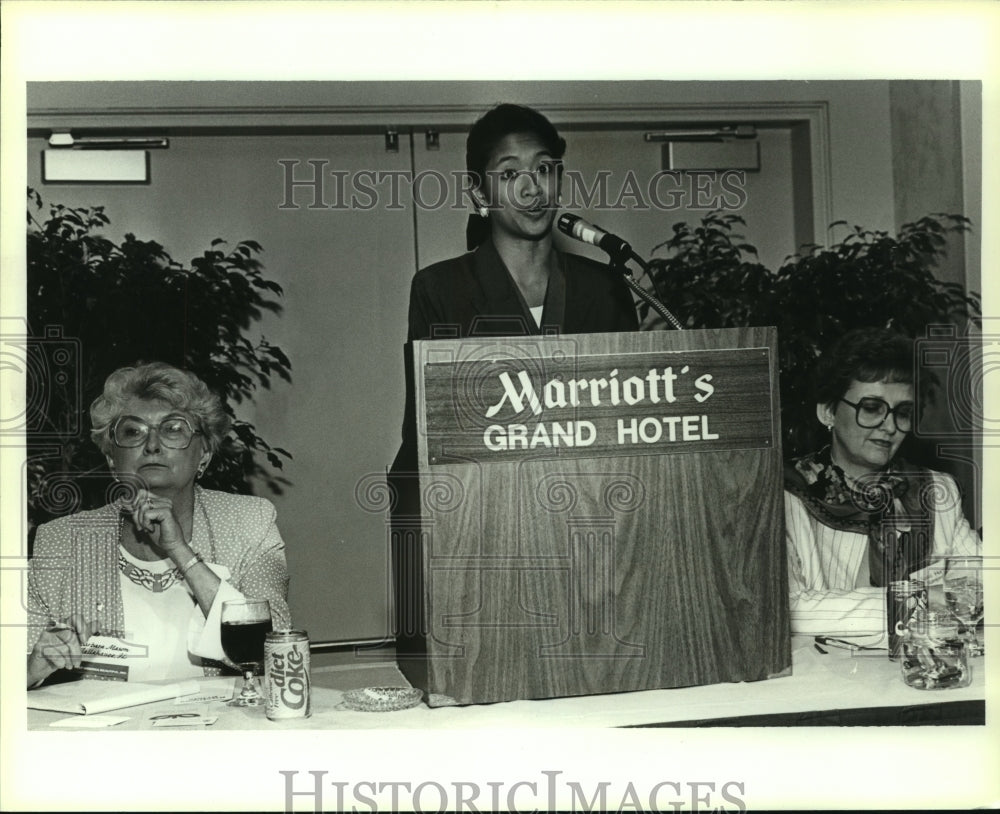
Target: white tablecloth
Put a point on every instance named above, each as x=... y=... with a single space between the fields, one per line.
x=835 y=680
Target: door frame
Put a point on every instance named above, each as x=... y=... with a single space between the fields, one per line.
x=809 y=121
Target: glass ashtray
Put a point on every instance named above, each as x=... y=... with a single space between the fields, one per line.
x=382 y=699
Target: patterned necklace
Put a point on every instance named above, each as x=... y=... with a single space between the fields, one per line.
x=151 y=581
x=157 y=583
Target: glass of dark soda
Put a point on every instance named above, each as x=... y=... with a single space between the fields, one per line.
x=245 y=623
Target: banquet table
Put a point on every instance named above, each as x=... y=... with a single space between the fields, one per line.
x=838 y=687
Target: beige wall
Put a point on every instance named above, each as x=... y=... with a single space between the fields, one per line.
x=927 y=158
x=937 y=164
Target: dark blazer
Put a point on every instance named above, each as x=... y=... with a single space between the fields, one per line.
x=469 y=296
x=474 y=295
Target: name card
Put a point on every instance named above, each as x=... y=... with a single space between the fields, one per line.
x=569 y=406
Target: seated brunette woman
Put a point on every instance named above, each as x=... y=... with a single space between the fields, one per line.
x=136 y=587
x=857 y=515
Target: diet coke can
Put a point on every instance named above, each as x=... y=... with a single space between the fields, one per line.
x=286 y=675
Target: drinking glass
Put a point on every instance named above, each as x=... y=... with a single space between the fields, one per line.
x=245 y=623
x=963 y=595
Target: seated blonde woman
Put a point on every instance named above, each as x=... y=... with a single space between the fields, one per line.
x=136 y=587
x=857 y=515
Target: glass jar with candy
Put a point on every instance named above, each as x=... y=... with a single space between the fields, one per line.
x=934 y=655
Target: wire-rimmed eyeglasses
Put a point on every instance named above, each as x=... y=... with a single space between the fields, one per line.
x=871 y=412
x=174 y=432
x=174 y=715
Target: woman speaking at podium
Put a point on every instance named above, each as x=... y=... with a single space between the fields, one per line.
x=512 y=281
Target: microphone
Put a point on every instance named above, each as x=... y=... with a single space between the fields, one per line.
x=576 y=227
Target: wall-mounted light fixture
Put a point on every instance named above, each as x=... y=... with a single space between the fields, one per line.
x=98 y=159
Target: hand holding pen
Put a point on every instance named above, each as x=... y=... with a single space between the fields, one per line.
x=59 y=647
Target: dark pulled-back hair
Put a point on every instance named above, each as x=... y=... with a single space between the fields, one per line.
x=484 y=136
x=502 y=121
x=863 y=355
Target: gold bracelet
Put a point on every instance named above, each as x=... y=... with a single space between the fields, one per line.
x=197 y=558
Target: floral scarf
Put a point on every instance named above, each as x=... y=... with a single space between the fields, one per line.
x=886 y=506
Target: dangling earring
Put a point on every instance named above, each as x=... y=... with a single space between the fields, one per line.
x=481 y=209
x=200 y=472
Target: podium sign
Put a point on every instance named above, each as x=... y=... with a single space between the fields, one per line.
x=599 y=513
x=500 y=409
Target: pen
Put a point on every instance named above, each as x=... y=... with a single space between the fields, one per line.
x=830 y=640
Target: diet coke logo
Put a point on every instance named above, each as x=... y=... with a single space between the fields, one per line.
x=288 y=673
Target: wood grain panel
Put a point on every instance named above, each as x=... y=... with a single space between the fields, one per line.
x=552 y=576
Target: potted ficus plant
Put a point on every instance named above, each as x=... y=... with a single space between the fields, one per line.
x=95 y=305
x=709 y=275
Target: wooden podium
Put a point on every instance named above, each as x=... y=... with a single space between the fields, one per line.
x=599 y=513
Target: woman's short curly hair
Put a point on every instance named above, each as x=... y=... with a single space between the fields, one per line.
x=181 y=389
x=863 y=355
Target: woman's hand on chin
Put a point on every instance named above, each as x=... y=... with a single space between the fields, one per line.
x=155 y=516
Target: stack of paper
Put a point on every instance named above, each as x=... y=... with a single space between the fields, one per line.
x=89 y=697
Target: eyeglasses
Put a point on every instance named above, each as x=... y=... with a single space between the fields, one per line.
x=174 y=432
x=174 y=715
x=872 y=412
